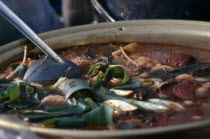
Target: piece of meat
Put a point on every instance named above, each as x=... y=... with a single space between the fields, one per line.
x=173 y=59
x=185 y=89
x=165 y=90
x=82 y=62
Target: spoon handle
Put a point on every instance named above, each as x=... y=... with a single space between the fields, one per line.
x=27 y=31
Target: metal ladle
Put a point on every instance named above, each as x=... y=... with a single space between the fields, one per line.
x=44 y=69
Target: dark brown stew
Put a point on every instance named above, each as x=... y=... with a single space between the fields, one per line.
x=130 y=86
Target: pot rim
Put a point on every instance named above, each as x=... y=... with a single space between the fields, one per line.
x=91 y=28
x=106 y=133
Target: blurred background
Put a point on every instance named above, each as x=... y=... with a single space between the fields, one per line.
x=47 y=15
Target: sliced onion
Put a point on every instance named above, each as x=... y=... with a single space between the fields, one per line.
x=167 y=103
x=121 y=92
x=124 y=106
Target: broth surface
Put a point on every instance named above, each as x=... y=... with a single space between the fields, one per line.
x=122 y=86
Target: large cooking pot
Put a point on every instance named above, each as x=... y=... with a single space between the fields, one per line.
x=187 y=33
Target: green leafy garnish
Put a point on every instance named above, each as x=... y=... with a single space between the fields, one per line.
x=99 y=66
x=117 y=72
x=161 y=73
x=101 y=116
x=50 y=121
x=10 y=94
x=92 y=104
x=187 y=69
x=69 y=122
x=71 y=86
x=5 y=83
x=3 y=94
x=75 y=110
x=14 y=93
x=134 y=85
x=58 y=108
x=113 y=72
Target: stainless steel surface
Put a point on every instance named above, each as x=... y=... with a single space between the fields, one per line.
x=21 y=26
x=185 y=33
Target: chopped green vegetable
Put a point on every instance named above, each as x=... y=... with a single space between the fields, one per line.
x=99 y=66
x=101 y=116
x=58 y=108
x=92 y=104
x=71 y=86
x=75 y=110
x=185 y=69
x=134 y=85
x=117 y=72
x=203 y=70
x=99 y=81
x=69 y=122
x=13 y=92
x=50 y=121
x=108 y=90
x=161 y=73
x=19 y=105
x=5 y=83
x=4 y=94
x=4 y=80
x=113 y=72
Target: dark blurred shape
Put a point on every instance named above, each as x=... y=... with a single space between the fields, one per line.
x=37 y=14
x=56 y=5
x=77 y=12
x=156 y=9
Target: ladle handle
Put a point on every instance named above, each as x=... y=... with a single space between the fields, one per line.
x=21 y=26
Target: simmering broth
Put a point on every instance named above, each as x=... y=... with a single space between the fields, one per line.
x=126 y=86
